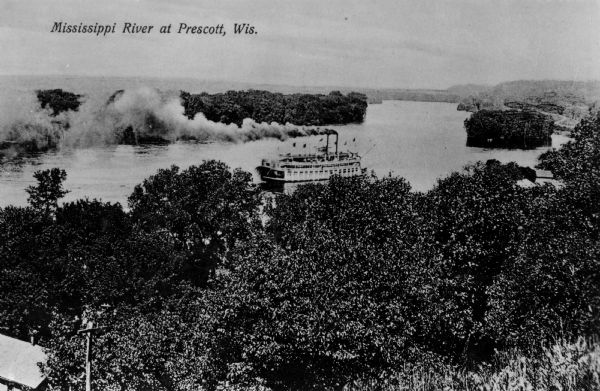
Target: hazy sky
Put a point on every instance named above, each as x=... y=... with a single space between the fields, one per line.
x=382 y=43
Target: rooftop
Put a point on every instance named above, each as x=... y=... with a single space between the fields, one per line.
x=19 y=362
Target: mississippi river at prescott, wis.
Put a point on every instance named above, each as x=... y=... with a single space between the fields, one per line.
x=420 y=141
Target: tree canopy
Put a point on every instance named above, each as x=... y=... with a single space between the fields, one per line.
x=334 y=283
x=265 y=106
x=509 y=129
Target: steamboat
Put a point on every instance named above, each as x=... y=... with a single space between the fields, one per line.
x=311 y=167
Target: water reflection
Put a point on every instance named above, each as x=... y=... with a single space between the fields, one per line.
x=525 y=143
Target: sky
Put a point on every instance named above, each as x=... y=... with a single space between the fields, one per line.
x=350 y=43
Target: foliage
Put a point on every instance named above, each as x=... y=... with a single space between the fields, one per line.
x=577 y=164
x=87 y=255
x=564 y=365
x=551 y=279
x=174 y=348
x=475 y=217
x=358 y=282
x=264 y=106
x=326 y=301
x=44 y=197
x=58 y=100
x=508 y=129
x=204 y=209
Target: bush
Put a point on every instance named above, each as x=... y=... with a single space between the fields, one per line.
x=568 y=366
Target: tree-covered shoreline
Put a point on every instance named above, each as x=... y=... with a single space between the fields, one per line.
x=357 y=281
x=265 y=106
x=509 y=129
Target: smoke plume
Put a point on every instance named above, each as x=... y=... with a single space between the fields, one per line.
x=130 y=116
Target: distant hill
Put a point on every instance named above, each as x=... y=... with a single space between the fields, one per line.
x=465 y=90
x=418 y=95
x=571 y=91
x=565 y=101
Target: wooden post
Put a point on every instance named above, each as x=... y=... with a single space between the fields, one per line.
x=88 y=359
x=88 y=352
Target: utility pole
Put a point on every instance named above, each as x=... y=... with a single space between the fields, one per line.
x=88 y=331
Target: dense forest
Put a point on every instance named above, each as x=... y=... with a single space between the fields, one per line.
x=509 y=129
x=202 y=283
x=265 y=106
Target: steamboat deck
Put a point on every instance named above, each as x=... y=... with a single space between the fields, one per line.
x=311 y=167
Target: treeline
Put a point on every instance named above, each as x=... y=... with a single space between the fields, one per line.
x=509 y=129
x=360 y=280
x=58 y=100
x=377 y=96
x=265 y=106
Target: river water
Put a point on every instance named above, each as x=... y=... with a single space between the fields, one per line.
x=420 y=141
